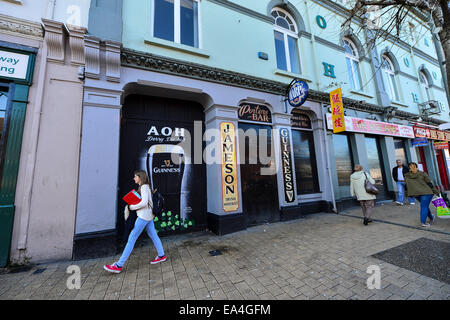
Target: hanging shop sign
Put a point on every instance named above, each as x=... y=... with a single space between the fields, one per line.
x=337 y=111
x=285 y=142
x=300 y=120
x=439 y=145
x=254 y=112
x=14 y=65
x=419 y=142
x=374 y=127
x=432 y=134
x=229 y=167
x=297 y=93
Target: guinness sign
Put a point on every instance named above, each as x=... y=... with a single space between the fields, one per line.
x=287 y=164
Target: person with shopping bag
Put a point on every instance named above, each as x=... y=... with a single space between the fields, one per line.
x=358 y=182
x=419 y=186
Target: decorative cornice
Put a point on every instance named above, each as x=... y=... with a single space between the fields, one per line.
x=112 y=57
x=147 y=61
x=21 y=27
x=54 y=36
x=76 y=42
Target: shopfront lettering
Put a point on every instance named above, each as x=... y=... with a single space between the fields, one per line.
x=287 y=164
x=229 y=167
x=166 y=131
x=254 y=112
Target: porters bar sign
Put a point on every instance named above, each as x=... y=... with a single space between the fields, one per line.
x=254 y=112
x=229 y=167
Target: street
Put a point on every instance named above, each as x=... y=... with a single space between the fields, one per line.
x=321 y=256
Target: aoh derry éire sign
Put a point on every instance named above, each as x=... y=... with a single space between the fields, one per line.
x=337 y=110
x=230 y=198
x=13 y=65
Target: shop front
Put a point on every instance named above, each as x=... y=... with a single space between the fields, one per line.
x=16 y=74
x=432 y=149
x=373 y=144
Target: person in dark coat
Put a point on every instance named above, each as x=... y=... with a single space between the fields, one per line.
x=398 y=173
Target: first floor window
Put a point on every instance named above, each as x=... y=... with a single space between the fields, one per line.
x=305 y=162
x=176 y=20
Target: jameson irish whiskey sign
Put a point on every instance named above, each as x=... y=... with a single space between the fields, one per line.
x=287 y=164
x=229 y=167
x=254 y=112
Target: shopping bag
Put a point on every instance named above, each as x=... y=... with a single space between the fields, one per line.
x=441 y=208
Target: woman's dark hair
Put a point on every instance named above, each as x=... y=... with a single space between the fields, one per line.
x=144 y=179
x=413 y=163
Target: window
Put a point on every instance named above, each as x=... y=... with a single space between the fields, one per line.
x=425 y=85
x=352 y=59
x=285 y=32
x=400 y=151
x=343 y=157
x=388 y=68
x=305 y=162
x=177 y=21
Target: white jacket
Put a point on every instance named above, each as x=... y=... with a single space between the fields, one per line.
x=357 y=180
x=144 y=208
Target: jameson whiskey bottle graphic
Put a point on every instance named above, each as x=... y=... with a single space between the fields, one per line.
x=166 y=169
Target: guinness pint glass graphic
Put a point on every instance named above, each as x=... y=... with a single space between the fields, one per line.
x=168 y=172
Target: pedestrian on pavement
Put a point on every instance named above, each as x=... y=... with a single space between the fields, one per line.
x=357 y=188
x=398 y=173
x=419 y=185
x=144 y=221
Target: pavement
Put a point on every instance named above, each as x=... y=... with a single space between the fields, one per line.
x=321 y=256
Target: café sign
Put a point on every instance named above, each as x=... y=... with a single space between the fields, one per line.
x=374 y=127
x=432 y=134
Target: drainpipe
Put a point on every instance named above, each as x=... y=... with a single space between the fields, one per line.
x=327 y=157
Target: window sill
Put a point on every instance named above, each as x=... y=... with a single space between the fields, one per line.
x=361 y=93
x=397 y=103
x=291 y=75
x=176 y=47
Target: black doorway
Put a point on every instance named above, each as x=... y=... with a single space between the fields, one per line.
x=259 y=192
x=151 y=131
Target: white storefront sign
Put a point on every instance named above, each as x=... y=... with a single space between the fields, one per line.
x=13 y=65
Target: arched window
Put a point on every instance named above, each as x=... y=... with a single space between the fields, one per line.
x=425 y=85
x=389 y=72
x=352 y=58
x=285 y=31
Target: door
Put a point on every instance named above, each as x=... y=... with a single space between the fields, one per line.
x=151 y=132
x=376 y=168
x=421 y=159
x=259 y=191
x=440 y=157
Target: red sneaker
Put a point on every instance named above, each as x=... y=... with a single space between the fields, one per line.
x=112 y=268
x=158 y=260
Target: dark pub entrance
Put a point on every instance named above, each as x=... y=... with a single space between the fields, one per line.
x=152 y=129
x=258 y=174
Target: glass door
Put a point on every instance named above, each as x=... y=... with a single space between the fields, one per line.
x=344 y=163
x=375 y=166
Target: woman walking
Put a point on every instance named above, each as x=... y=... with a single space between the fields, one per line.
x=144 y=221
x=419 y=185
x=357 y=188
